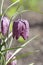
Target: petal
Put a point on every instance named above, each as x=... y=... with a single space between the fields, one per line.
x=15 y=28
x=4 y=25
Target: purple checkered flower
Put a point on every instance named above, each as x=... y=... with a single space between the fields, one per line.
x=8 y=55
x=21 y=28
x=4 y=25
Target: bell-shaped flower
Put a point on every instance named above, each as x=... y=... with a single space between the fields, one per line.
x=21 y=28
x=4 y=25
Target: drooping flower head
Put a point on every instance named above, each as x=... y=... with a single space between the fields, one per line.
x=8 y=55
x=4 y=25
x=21 y=28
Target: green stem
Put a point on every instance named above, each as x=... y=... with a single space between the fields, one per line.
x=3 y=58
x=6 y=39
x=0 y=50
x=2 y=6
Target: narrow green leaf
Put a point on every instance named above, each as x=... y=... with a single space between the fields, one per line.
x=2 y=59
x=10 y=49
x=19 y=49
x=24 y=55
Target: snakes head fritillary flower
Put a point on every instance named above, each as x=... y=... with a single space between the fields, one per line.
x=4 y=25
x=21 y=28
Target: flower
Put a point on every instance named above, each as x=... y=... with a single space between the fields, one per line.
x=8 y=55
x=21 y=28
x=4 y=25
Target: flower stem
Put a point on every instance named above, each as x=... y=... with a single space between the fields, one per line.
x=3 y=58
x=2 y=6
x=6 y=39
